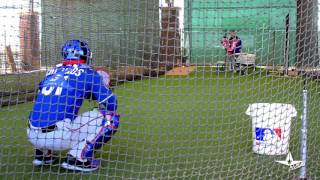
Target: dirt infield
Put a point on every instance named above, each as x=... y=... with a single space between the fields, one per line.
x=183 y=70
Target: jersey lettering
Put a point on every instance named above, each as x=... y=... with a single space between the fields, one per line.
x=50 y=90
x=75 y=71
x=51 y=71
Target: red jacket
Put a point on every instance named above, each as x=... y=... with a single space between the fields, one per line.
x=232 y=45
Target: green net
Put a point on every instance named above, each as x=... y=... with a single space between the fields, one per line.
x=185 y=113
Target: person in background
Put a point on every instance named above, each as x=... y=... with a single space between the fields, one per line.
x=232 y=46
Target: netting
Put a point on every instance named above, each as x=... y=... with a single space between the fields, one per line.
x=190 y=107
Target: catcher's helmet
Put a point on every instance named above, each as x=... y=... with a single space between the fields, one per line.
x=76 y=50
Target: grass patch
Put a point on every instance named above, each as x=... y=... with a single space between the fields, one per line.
x=180 y=127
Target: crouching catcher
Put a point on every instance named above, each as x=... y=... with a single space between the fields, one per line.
x=54 y=124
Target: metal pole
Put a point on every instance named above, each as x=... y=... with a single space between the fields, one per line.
x=190 y=29
x=286 y=45
x=31 y=5
x=303 y=138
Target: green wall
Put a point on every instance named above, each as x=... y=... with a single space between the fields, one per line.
x=259 y=23
x=119 y=32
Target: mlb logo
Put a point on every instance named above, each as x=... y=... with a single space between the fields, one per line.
x=268 y=135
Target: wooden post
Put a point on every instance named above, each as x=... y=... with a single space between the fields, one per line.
x=10 y=58
x=30 y=40
x=170 y=48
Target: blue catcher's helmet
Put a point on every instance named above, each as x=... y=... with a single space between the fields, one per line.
x=76 y=50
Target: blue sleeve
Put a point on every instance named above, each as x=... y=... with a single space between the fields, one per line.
x=48 y=74
x=102 y=94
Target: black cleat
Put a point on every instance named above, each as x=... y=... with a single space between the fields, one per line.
x=43 y=159
x=72 y=163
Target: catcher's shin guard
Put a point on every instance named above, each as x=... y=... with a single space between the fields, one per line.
x=109 y=127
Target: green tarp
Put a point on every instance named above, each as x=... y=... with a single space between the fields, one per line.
x=259 y=23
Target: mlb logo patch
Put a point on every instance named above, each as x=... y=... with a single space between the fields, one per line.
x=268 y=135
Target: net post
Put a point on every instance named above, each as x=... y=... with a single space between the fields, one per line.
x=303 y=136
x=286 y=45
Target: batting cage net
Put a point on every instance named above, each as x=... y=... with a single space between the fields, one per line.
x=185 y=89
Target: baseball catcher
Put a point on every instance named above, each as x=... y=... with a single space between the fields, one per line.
x=54 y=123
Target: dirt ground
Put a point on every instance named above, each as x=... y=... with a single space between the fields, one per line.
x=183 y=70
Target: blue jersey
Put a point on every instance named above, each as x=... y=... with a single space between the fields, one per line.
x=238 y=47
x=63 y=91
